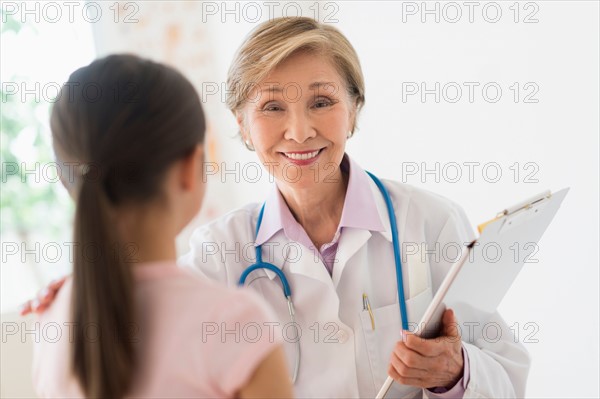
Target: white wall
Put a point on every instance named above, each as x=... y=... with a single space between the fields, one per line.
x=18 y=337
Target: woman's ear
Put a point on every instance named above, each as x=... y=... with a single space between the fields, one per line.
x=239 y=118
x=352 y=104
x=353 y=118
x=244 y=131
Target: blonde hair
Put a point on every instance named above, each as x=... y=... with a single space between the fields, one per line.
x=273 y=41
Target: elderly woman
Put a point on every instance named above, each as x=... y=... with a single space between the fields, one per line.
x=296 y=90
x=326 y=237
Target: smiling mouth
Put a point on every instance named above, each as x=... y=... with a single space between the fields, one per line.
x=302 y=156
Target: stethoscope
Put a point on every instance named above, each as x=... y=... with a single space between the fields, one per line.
x=287 y=292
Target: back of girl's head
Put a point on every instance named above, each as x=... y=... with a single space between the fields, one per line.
x=118 y=125
x=128 y=119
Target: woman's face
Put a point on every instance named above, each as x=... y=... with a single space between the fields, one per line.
x=298 y=120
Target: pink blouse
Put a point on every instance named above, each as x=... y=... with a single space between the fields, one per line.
x=194 y=338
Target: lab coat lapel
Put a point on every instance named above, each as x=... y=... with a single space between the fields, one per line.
x=294 y=258
x=306 y=262
x=274 y=251
x=401 y=213
x=382 y=210
x=351 y=241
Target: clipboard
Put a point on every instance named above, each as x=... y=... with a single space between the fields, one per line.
x=486 y=268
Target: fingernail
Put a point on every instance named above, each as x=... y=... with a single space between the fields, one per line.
x=35 y=303
x=403 y=335
x=44 y=293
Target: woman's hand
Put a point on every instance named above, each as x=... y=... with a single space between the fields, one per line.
x=44 y=298
x=429 y=363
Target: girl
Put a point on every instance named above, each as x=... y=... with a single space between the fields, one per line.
x=130 y=322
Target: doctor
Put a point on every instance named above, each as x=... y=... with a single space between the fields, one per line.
x=296 y=91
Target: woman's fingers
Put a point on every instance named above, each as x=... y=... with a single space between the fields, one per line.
x=426 y=363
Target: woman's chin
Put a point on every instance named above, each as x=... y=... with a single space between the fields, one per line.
x=307 y=179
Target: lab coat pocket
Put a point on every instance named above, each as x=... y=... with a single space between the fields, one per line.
x=387 y=331
x=380 y=338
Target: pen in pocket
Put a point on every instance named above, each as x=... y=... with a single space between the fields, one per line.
x=367 y=307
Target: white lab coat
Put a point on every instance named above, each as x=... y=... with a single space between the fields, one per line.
x=342 y=356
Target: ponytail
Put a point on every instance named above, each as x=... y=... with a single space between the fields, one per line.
x=103 y=355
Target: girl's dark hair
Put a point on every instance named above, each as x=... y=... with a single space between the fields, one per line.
x=124 y=120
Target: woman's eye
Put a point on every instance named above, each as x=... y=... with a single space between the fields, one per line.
x=271 y=107
x=323 y=103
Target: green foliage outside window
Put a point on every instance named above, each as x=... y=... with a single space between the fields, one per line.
x=32 y=199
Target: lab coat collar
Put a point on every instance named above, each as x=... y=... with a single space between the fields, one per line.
x=295 y=257
x=365 y=199
x=384 y=216
x=272 y=221
x=359 y=205
x=354 y=239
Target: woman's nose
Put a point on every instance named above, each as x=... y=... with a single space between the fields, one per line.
x=299 y=127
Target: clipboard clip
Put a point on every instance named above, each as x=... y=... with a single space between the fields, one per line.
x=528 y=203
x=523 y=205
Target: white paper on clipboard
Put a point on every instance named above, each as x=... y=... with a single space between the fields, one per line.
x=478 y=281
